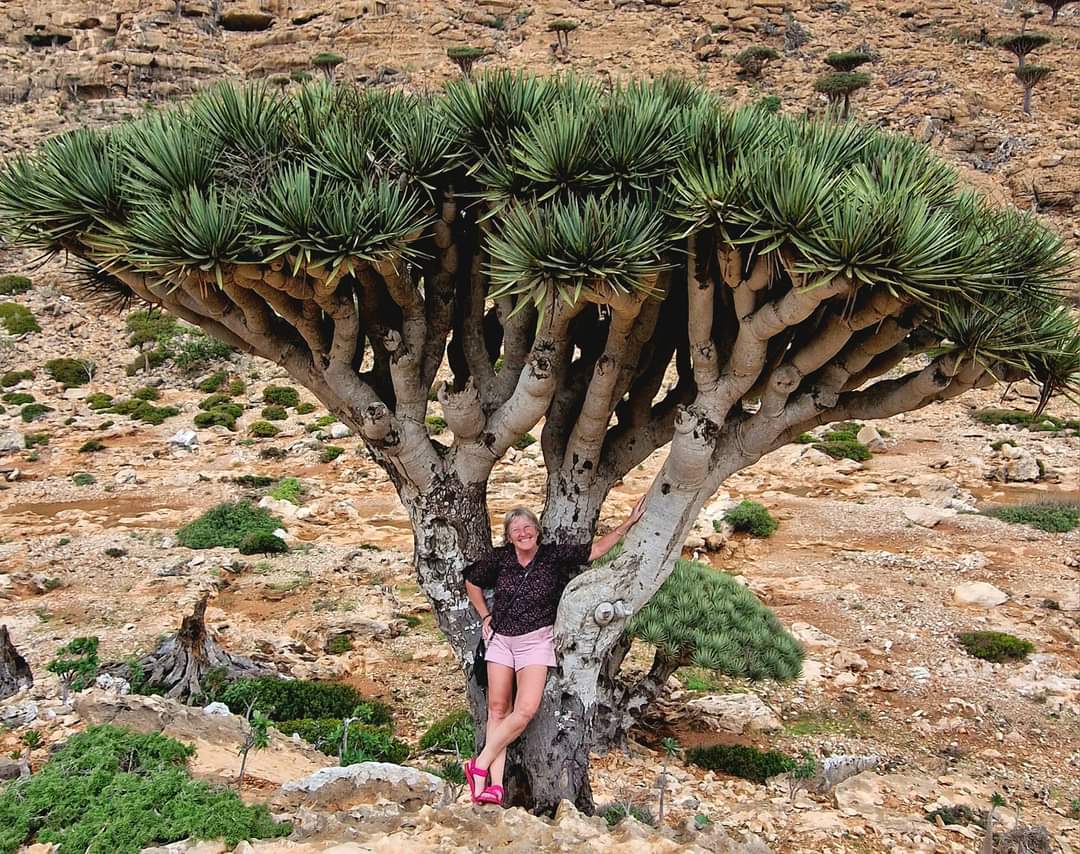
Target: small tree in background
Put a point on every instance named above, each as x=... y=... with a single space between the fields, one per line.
x=1055 y=7
x=1022 y=43
x=1030 y=76
x=258 y=738
x=847 y=60
x=752 y=60
x=839 y=87
x=327 y=62
x=562 y=29
x=464 y=57
x=279 y=80
x=299 y=75
x=76 y=664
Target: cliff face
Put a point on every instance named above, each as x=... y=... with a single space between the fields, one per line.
x=934 y=75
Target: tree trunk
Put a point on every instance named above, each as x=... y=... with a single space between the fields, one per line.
x=14 y=671
x=1027 y=100
x=181 y=663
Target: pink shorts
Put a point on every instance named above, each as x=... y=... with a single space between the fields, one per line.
x=519 y=651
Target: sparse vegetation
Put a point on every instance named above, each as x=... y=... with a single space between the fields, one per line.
x=453 y=732
x=262 y=543
x=83 y=478
x=76 y=665
x=214 y=382
x=1042 y=423
x=842 y=442
x=33 y=411
x=18 y=398
x=329 y=453
x=959 y=814
x=142 y=410
x=615 y=813
x=359 y=742
x=288 y=489
x=253 y=481
x=99 y=400
x=303 y=407
x=995 y=646
x=91 y=446
x=226 y=525
x=752 y=60
x=525 y=441
x=274 y=413
x=281 y=395
x=17 y=319
x=749 y=763
x=464 y=57
x=436 y=424
x=12 y=285
x=112 y=790
x=113 y=551
x=71 y=373
x=263 y=429
x=1052 y=517
x=11 y=378
x=753 y=518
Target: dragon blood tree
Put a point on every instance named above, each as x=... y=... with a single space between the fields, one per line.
x=590 y=242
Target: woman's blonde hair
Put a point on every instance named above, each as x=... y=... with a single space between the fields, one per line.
x=519 y=513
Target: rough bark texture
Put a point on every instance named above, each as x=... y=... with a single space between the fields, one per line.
x=180 y=663
x=14 y=671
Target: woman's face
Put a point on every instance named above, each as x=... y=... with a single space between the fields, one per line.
x=523 y=534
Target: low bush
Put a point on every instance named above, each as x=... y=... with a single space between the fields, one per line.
x=91 y=446
x=215 y=400
x=213 y=382
x=272 y=453
x=34 y=411
x=524 y=442
x=365 y=743
x=274 y=413
x=18 y=398
x=330 y=453
x=262 y=543
x=141 y=410
x=150 y=326
x=147 y=393
x=303 y=408
x=33 y=440
x=615 y=813
x=436 y=424
x=237 y=387
x=224 y=415
x=147 y=361
x=339 y=644
x=749 y=763
x=453 y=730
x=195 y=350
x=296 y=699
x=288 y=489
x=263 y=429
x=1018 y=417
x=281 y=395
x=12 y=285
x=99 y=400
x=10 y=378
x=83 y=478
x=753 y=518
x=226 y=525
x=841 y=442
x=253 y=481
x=17 y=319
x=70 y=372
x=960 y=814
x=112 y=790
x=995 y=646
x=1052 y=517
x=113 y=551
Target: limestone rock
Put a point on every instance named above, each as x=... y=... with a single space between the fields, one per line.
x=927 y=517
x=342 y=788
x=11 y=441
x=980 y=594
x=737 y=713
x=870 y=437
x=245 y=20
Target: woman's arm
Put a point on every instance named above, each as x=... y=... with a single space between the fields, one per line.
x=476 y=596
x=607 y=542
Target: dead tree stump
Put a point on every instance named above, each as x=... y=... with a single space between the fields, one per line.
x=14 y=671
x=181 y=663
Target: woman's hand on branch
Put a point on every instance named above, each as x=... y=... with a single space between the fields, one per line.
x=635 y=515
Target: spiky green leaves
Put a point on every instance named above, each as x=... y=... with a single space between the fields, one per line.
x=559 y=249
x=703 y=617
x=841 y=83
x=1021 y=44
x=1031 y=76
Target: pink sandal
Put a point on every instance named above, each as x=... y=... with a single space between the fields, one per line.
x=491 y=795
x=472 y=771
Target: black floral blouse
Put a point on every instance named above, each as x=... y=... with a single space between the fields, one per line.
x=527 y=597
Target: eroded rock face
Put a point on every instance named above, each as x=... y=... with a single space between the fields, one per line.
x=245 y=20
x=341 y=788
x=737 y=713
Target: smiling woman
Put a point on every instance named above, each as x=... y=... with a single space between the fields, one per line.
x=528 y=578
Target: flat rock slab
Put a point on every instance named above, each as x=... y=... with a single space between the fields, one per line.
x=341 y=788
x=737 y=713
x=979 y=594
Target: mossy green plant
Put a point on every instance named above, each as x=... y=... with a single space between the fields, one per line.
x=18 y=398
x=436 y=424
x=91 y=446
x=12 y=285
x=753 y=518
x=1055 y=517
x=33 y=411
x=738 y=760
x=303 y=407
x=281 y=395
x=274 y=413
x=995 y=646
x=112 y=790
x=288 y=489
x=329 y=453
x=11 y=378
x=214 y=382
x=83 y=478
x=262 y=543
x=146 y=393
x=17 y=319
x=71 y=373
x=226 y=525
x=295 y=699
x=99 y=400
x=455 y=731
x=263 y=430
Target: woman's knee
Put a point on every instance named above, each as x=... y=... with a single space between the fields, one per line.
x=525 y=709
x=498 y=708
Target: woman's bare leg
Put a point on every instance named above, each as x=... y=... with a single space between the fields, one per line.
x=530 y=691
x=500 y=692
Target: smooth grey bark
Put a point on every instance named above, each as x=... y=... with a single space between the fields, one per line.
x=14 y=671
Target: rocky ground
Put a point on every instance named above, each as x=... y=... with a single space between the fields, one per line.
x=875 y=566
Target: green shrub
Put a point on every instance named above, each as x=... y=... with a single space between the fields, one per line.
x=995 y=646
x=324 y=421
x=112 y=790
x=366 y=743
x=840 y=449
x=213 y=382
x=18 y=398
x=34 y=439
x=453 y=730
x=146 y=393
x=330 y=453
x=147 y=361
x=34 y=411
x=91 y=446
x=295 y=699
x=1017 y=417
x=115 y=552
x=227 y=525
x=83 y=478
x=436 y=424
x=17 y=319
x=263 y=429
x=957 y=814
x=237 y=387
x=99 y=400
x=274 y=413
x=150 y=326
x=617 y=812
x=141 y=410
x=253 y=481
x=271 y=453
x=753 y=518
x=303 y=408
x=70 y=372
x=288 y=489
x=262 y=543
x=524 y=442
x=217 y=400
x=194 y=350
x=450 y=770
x=1052 y=517
x=768 y=103
x=749 y=763
x=10 y=378
x=224 y=415
x=281 y=395
x=339 y=644
x=12 y=285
